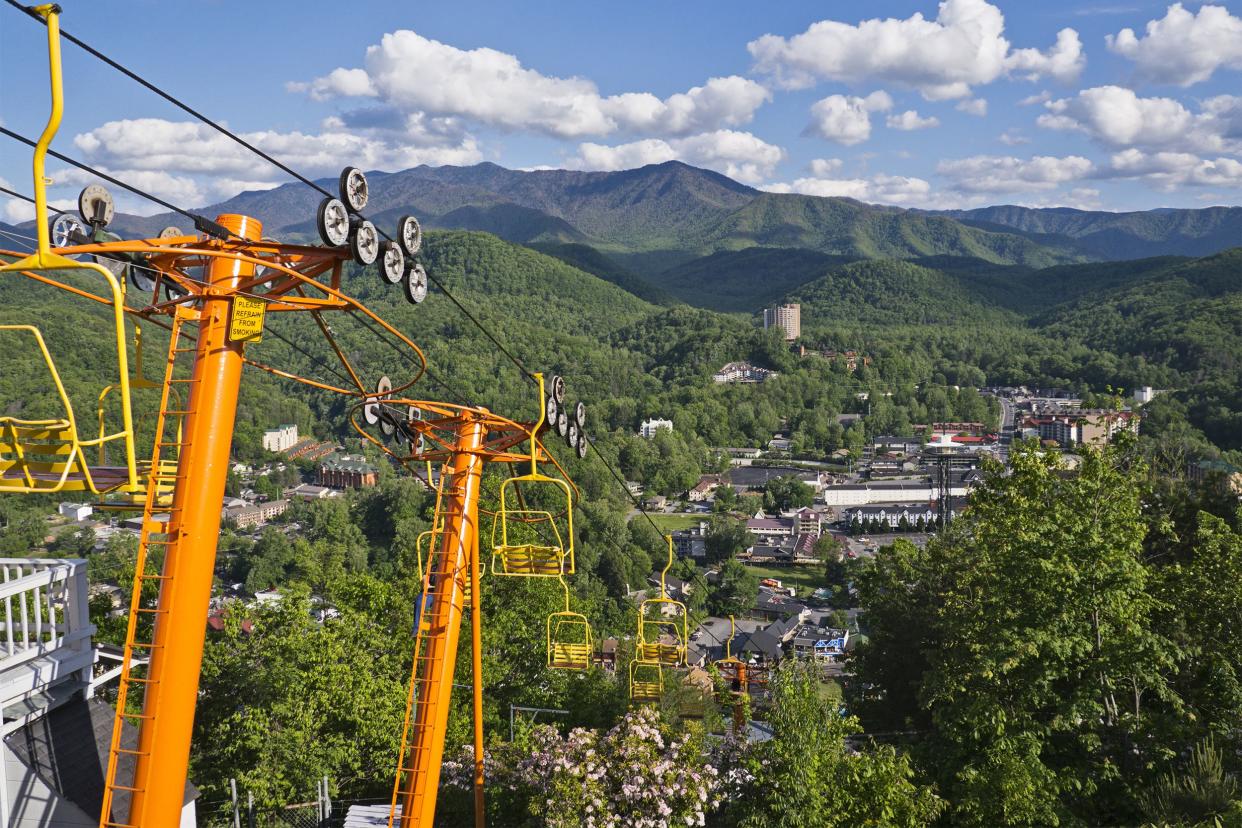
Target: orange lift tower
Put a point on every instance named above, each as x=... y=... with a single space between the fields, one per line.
x=211 y=290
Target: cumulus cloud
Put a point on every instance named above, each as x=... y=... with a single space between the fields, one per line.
x=1168 y=171
x=911 y=120
x=1013 y=138
x=1117 y=117
x=1063 y=62
x=739 y=155
x=188 y=162
x=962 y=47
x=846 y=119
x=975 y=106
x=1007 y=174
x=878 y=189
x=1183 y=47
x=414 y=74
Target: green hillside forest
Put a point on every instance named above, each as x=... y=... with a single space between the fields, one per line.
x=1064 y=654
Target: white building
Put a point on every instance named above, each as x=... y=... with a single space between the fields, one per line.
x=649 y=427
x=281 y=438
x=1145 y=394
x=786 y=317
x=75 y=511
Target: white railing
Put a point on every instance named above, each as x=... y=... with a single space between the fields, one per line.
x=43 y=608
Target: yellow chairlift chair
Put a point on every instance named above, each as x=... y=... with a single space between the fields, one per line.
x=662 y=625
x=569 y=638
x=527 y=541
x=49 y=455
x=646 y=681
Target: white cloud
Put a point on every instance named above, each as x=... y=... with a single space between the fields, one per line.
x=1168 y=171
x=1064 y=62
x=975 y=106
x=846 y=119
x=739 y=155
x=943 y=58
x=414 y=74
x=1183 y=48
x=1117 y=117
x=1038 y=98
x=188 y=163
x=878 y=189
x=1006 y=174
x=911 y=120
x=1013 y=138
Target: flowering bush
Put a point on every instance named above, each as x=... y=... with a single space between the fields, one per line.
x=636 y=775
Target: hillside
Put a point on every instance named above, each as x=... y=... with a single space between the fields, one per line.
x=591 y=260
x=745 y=280
x=1101 y=235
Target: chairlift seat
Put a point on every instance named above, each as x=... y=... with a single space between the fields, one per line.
x=646 y=682
x=569 y=641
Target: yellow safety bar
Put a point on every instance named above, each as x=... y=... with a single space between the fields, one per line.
x=652 y=648
x=646 y=681
x=536 y=560
x=64 y=440
x=569 y=638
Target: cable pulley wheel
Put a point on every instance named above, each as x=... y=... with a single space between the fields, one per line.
x=562 y=423
x=141 y=280
x=67 y=231
x=582 y=445
x=96 y=206
x=332 y=222
x=364 y=243
x=571 y=435
x=170 y=232
x=353 y=188
x=391 y=262
x=415 y=283
x=550 y=410
x=557 y=386
x=388 y=422
x=580 y=416
x=410 y=234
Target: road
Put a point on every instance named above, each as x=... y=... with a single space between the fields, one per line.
x=1007 y=428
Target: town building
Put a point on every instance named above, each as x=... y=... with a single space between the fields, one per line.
x=702 y=491
x=742 y=372
x=75 y=511
x=281 y=438
x=819 y=643
x=306 y=491
x=1229 y=476
x=344 y=471
x=691 y=542
x=256 y=514
x=891 y=514
x=764 y=528
x=649 y=428
x=1087 y=427
x=786 y=317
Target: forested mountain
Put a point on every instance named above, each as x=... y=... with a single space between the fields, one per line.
x=1101 y=235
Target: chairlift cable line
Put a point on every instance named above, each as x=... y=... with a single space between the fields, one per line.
x=201 y=223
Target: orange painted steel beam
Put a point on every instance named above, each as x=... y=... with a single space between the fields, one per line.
x=180 y=627
x=476 y=652
x=434 y=684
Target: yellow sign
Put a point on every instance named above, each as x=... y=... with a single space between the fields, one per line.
x=246 y=320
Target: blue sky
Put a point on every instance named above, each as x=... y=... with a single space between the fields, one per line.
x=1107 y=104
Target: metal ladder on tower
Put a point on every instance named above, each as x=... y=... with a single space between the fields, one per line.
x=445 y=580
x=153 y=545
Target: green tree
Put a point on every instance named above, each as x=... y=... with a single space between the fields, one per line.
x=788 y=492
x=1048 y=670
x=735 y=591
x=805 y=778
x=725 y=538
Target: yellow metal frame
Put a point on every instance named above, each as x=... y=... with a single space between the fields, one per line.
x=533 y=560
x=646 y=688
x=650 y=649
x=45 y=259
x=564 y=654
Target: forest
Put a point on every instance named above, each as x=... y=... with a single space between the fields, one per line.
x=1062 y=656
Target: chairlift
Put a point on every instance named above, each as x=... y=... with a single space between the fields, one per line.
x=646 y=681
x=569 y=638
x=48 y=454
x=526 y=541
x=662 y=625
